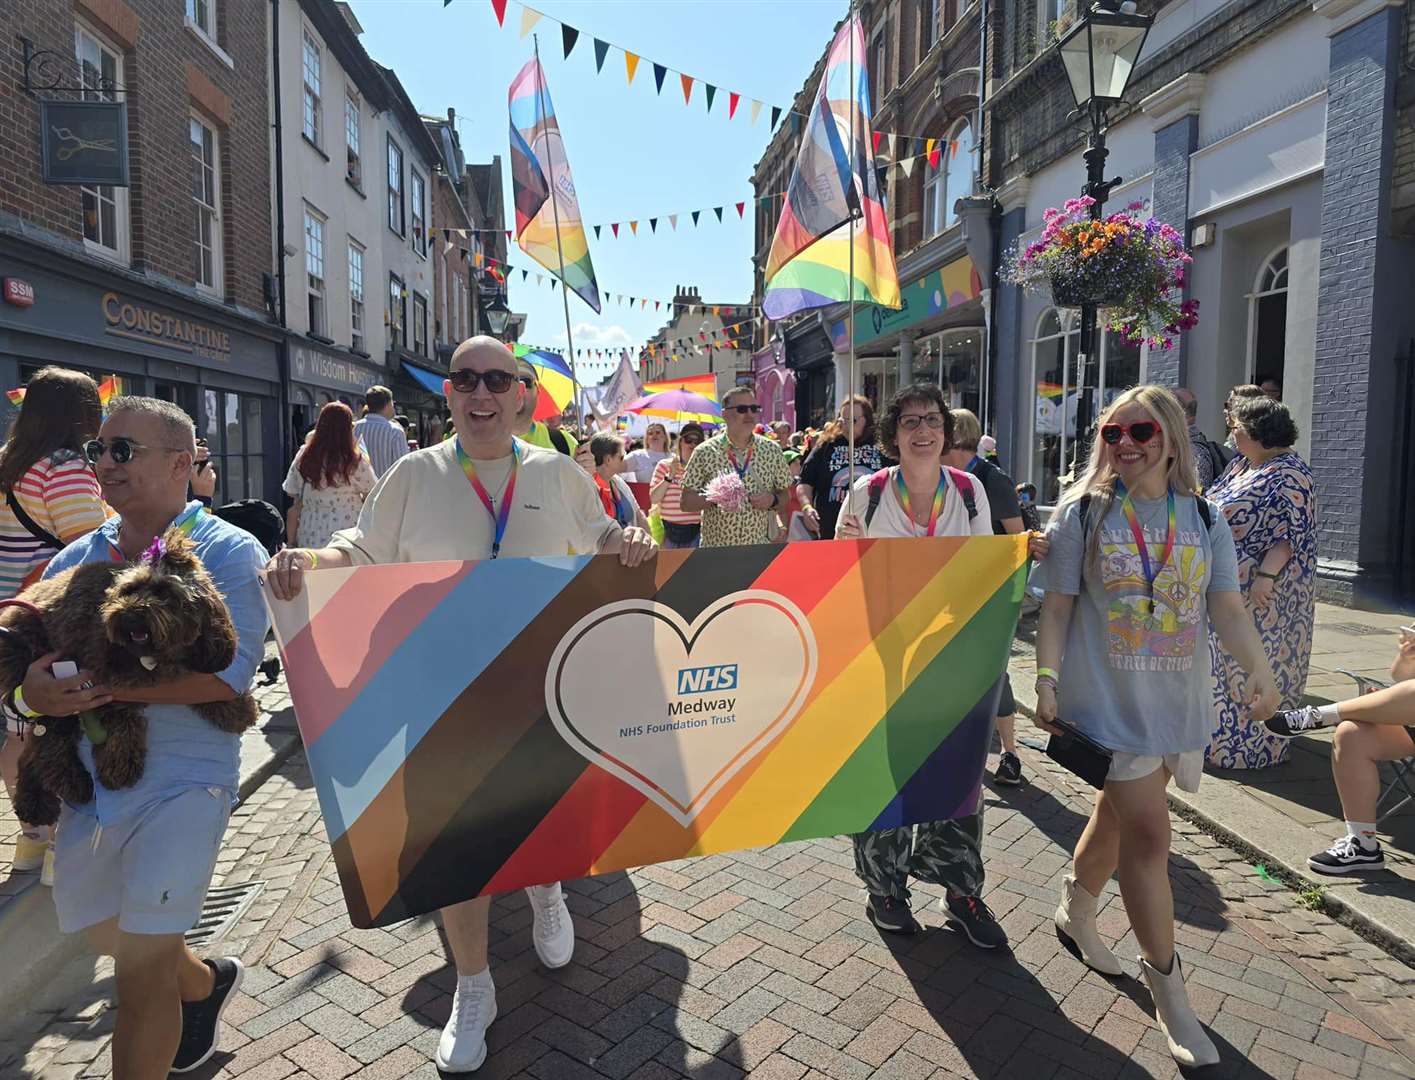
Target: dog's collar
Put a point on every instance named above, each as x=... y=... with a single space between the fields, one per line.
x=31 y=608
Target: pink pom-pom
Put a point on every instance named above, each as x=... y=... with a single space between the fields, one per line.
x=727 y=493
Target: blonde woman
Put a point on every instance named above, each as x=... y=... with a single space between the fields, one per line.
x=1139 y=568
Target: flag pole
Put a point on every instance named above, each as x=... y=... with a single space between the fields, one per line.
x=850 y=309
x=559 y=250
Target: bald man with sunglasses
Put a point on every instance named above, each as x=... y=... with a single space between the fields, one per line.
x=449 y=502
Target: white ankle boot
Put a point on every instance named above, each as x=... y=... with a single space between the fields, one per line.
x=1188 y=1042
x=1076 y=929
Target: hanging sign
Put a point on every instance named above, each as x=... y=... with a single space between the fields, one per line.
x=84 y=142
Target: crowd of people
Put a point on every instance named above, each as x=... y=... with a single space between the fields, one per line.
x=1177 y=575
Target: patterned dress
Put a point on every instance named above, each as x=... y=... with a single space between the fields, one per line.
x=1265 y=505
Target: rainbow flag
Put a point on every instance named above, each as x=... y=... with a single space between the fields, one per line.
x=107 y=389
x=702 y=385
x=607 y=718
x=537 y=154
x=557 y=384
x=834 y=181
x=1050 y=390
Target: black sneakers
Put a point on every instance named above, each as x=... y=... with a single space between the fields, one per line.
x=1009 y=770
x=1294 y=722
x=971 y=915
x=201 y=1020
x=1347 y=856
x=891 y=915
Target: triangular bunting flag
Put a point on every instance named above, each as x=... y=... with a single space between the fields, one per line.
x=718 y=211
x=643 y=304
x=756 y=110
x=526 y=273
x=673 y=220
x=529 y=18
x=711 y=92
x=653 y=224
x=687 y=81
x=659 y=73
x=606 y=298
x=878 y=135
x=634 y=227
x=741 y=209
x=775 y=116
x=554 y=283
x=540 y=279
x=656 y=307
x=615 y=226
x=498 y=6
x=601 y=50
x=568 y=36
x=695 y=216
x=508 y=234
x=733 y=100
x=631 y=65
x=596 y=231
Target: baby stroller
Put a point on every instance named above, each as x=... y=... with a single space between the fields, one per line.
x=264 y=522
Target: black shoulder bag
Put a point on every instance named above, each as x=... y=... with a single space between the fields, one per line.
x=30 y=525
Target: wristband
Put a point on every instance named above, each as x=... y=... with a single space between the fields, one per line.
x=314 y=559
x=1048 y=673
x=1269 y=576
x=18 y=697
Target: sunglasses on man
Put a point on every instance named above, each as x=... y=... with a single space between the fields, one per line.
x=465 y=380
x=745 y=410
x=1141 y=432
x=120 y=449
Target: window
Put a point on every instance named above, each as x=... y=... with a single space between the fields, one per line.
x=1267 y=320
x=311 y=65
x=202 y=15
x=356 y=297
x=234 y=428
x=879 y=63
x=418 y=191
x=205 y=199
x=397 y=312
x=950 y=181
x=354 y=167
x=1053 y=17
x=314 y=271
x=395 y=187
x=419 y=324
x=105 y=209
x=928 y=25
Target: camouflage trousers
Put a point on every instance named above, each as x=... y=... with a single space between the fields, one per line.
x=948 y=853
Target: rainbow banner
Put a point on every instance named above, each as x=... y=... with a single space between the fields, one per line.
x=702 y=385
x=835 y=181
x=548 y=225
x=477 y=727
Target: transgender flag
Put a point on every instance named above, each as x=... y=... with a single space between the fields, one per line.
x=809 y=263
x=537 y=155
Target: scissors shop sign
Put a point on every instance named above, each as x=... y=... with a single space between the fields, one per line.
x=84 y=142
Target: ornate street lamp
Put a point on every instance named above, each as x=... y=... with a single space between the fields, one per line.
x=1099 y=54
x=497 y=315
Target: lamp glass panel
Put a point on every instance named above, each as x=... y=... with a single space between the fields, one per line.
x=1076 y=56
x=1115 y=49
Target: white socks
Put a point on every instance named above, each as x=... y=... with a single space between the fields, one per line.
x=1330 y=717
x=1364 y=833
x=480 y=978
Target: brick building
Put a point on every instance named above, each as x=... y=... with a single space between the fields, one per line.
x=1269 y=131
x=157 y=282
x=692 y=342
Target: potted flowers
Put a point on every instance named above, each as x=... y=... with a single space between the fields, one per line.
x=1130 y=266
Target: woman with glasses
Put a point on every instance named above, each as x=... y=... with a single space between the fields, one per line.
x=619 y=503
x=680 y=528
x=51 y=498
x=329 y=480
x=827 y=468
x=1139 y=568
x=1271 y=507
x=920 y=497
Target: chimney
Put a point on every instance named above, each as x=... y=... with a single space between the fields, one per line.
x=452 y=116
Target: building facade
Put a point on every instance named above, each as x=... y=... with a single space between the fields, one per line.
x=701 y=338
x=154 y=281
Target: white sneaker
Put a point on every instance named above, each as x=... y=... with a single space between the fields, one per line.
x=553 y=933
x=462 y=1047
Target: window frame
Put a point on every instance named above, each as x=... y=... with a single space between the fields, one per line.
x=121 y=250
x=312 y=97
x=1259 y=294
x=962 y=124
x=353 y=147
x=930 y=25
x=420 y=327
x=395 y=191
x=397 y=311
x=207 y=26
x=217 y=253
x=321 y=291
x=417 y=202
x=879 y=61
x=358 y=308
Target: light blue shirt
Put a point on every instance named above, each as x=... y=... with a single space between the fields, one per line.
x=183 y=750
x=383 y=440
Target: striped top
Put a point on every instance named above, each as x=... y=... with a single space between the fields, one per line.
x=670 y=508
x=384 y=440
x=60 y=493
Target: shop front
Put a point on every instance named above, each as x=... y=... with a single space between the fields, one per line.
x=775 y=383
x=319 y=376
x=418 y=395
x=221 y=367
x=810 y=359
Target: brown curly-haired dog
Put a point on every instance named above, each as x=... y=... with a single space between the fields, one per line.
x=131 y=625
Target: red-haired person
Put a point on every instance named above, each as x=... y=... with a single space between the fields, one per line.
x=329 y=480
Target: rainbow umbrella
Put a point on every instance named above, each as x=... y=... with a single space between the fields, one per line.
x=557 y=385
x=678 y=405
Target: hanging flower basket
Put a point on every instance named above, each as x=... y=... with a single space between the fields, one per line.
x=1131 y=266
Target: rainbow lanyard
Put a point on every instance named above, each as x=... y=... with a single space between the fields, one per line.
x=186 y=525
x=1151 y=572
x=502 y=516
x=937 y=508
x=741 y=470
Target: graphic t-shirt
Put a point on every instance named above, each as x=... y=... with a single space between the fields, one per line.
x=827 y=471
x=1136 y=677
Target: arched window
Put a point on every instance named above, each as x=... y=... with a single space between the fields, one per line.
x=1267 y=319
x=952 y=179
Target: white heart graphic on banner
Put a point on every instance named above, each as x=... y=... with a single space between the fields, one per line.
x=675 y=710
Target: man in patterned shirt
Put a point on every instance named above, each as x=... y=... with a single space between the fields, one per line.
x=757 y=460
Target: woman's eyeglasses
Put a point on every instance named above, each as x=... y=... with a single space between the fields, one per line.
x=120 y=449
x=1141 y=432
x=465 y=380
x=912 y=422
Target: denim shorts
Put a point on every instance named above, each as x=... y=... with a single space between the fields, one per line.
x=151 y=871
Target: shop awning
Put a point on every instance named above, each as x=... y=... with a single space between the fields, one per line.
x=430 y=380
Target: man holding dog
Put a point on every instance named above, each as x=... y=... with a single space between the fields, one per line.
x=132 y=867
x=480 y=495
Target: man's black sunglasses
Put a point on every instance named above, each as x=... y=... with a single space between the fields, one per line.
x=466 y=380
x=745 y=410
x=120 y=449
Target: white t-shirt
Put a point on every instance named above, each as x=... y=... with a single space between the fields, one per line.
x=639 y=464
x=890 y=520
x=423 y=509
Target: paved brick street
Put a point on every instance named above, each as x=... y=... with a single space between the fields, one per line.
x=762 y=963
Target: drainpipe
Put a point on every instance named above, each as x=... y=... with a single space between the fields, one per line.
x=283 y=353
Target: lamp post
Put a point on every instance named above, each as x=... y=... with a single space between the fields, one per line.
x=1100 y=54
x=497 y=315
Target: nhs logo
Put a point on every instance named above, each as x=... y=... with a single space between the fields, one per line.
x=703 y=680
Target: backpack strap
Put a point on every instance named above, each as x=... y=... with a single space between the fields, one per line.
x=43 y=535
x=964 y=483
x=878 y=482
x=557 y=437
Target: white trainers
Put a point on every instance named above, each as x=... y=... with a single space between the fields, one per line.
x=553 y=933
x=462 y=1047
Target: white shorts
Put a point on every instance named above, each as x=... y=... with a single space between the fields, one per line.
x=1186 y=768
x=151 y=871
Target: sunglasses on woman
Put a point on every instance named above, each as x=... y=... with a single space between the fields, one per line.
x=121 y=449
x=1140 y=432
x=465 y=380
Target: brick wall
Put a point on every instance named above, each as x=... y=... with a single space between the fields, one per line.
x=165 y=64
x=1173 y=145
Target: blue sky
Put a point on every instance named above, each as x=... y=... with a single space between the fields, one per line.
x=634 y=154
